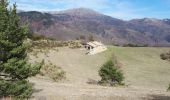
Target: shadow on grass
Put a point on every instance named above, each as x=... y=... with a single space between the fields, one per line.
x=92 y=82
x=157 y=97
x=37 y=90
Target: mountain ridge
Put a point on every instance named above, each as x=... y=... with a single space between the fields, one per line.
x=73 y=23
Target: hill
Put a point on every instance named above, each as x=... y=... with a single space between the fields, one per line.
x=146 y=75
x=74 y=23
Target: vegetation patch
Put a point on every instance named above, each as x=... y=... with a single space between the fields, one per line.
x=135 y=45
x=111 y=74
x=50 y=44
x=165 y=56
x=53 y=71
x=168 y=88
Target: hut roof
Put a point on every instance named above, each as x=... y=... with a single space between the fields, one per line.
x=95 y=44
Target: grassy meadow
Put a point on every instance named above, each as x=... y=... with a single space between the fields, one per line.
x=146 y=75
x=142 y=66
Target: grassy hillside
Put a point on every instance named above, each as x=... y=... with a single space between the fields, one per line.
x=79 y=67
x=143 y=66
x=146 y=75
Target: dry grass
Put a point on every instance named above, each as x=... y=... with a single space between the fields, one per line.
x=52 y=71
x=78 y=66
x=146 y=75
x=143 y=66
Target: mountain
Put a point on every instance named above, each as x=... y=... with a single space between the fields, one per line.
x=74 y=23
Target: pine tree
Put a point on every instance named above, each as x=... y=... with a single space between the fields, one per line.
x=110 y=74
x=14 y=66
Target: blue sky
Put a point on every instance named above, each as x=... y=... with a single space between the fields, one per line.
x=123 y=9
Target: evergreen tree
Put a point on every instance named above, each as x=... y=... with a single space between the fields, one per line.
x=14 y=67
x=110 y=74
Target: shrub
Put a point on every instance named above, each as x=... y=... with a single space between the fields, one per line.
x=53 y=71
x=165 y=56
x=110 y=74
x=75 y=44
x=46 y=44
x=168 y=88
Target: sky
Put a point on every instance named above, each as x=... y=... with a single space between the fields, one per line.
x=122 y=9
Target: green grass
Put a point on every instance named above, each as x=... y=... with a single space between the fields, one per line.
x=143 y=66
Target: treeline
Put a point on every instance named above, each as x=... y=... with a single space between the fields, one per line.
x=135 y=45
x=142 y=45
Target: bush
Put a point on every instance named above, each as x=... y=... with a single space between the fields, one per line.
x=75 y=44
x=165 y=56
x=168 y=88
x=53 y=71
x=46 y=44
x=110 y=74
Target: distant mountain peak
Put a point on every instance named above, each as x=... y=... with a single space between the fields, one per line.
x=81 y=12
